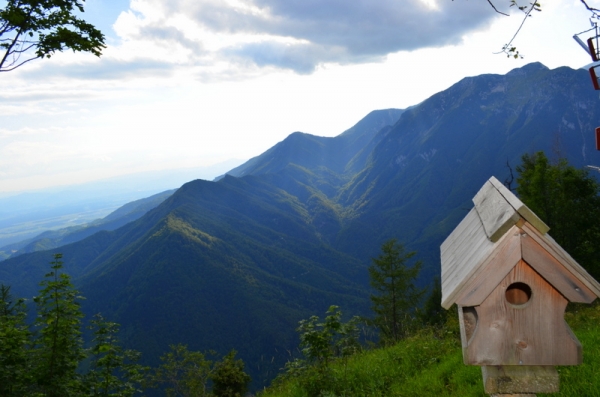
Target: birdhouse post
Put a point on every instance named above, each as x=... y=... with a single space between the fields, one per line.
x=511 y=282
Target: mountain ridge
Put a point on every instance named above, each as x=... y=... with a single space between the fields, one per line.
x=53 y=239
x=238 y=261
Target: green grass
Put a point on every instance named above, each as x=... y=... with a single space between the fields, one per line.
x=583 y=380
x=430 y=364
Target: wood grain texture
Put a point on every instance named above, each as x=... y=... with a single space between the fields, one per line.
x=492 y=270
x=518 y=205
x=496 y=214
x=549 y=245
x=476 y=254
x=465 y=248
x=467 y=320
x=555 y=272
x=531 y=334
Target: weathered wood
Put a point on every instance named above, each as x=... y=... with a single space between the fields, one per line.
x=492 y=270
x=464 y=252
x=467 y=320
x=496 y=214
x=465 y=248
x=467 y=256
x=548 y=244
x=555 y=272
x=518 y=380
x=521 y=208
x=512 y=283
x=462 y=234
x=531 y=334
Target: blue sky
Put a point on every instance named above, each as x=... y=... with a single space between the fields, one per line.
x=187 y=83
x=104 y=13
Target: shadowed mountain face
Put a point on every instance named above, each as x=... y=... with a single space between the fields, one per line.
x=238 y=262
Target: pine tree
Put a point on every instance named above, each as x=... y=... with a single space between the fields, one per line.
x=45 y=363
x=433 y=313
x=59 y=344
x=567 y=199
x=397 y=297
x=114 y=371
x=15 y=362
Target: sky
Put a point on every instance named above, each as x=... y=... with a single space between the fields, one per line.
x=190 y=83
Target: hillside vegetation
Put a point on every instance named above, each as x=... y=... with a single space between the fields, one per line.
x=238 y=262
x=429 y=363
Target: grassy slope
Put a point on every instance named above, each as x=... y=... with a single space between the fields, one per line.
x=430 y=364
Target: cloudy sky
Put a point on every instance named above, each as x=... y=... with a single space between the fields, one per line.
x=187 y=83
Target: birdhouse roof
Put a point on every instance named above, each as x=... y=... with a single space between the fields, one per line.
x=494 y=236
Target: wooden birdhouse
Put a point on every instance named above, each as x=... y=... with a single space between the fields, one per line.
x=511 y=282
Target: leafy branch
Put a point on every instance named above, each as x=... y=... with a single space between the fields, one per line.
x=509 y=49
x=32 y=29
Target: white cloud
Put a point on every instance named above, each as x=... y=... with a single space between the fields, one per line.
x=224 y=38
x=193 y=82
x=303 y=35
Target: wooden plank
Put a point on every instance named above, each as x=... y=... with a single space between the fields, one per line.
x=454 y=248
x=534 y=333
x=496 y=214
x=457 y=236
x=551 y=246
x=512 y=379
x=467 y=320
x=476 y=264
x=458 y=262
x=518 y=205
x=462 y=251
x=555 y=272
x=464 y=341
x=493 y=270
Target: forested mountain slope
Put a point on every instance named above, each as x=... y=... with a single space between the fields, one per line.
x=237 y=262
x=52 y=239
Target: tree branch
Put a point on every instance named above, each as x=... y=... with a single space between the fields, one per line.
x=25 y=49
x=495 y=9
x=510 y=50
x=47 y=25
x=8 y=51
x=593 y=10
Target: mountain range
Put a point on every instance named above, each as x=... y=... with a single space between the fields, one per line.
x=24 y=215
x=51 y=239
x=237 y=262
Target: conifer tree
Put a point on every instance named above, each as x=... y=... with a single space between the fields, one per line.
x=567 y=199
x=59 y=346
x=15 y=362
x=433 y=313
x=114 y=371
x=46 y=362
x=396 y=297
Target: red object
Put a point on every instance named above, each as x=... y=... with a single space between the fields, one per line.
x=597 y=138
x=593 y=53
x=594 y=76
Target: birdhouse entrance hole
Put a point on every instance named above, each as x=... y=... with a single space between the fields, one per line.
x=518 y=294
